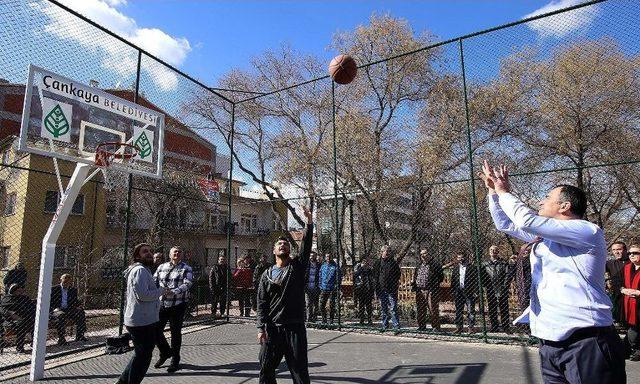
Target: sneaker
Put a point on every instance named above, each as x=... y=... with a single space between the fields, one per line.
x=62 y=341
x=81 y=338
x=173 y=367
x=20 y=350
x=161 y=361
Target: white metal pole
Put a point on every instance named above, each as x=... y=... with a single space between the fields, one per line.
x=46 y=269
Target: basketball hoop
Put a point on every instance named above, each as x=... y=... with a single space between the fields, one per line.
x=108 y=153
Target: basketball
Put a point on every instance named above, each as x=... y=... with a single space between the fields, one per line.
x=343 y=69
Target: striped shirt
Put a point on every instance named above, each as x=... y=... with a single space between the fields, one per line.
x=178 y=278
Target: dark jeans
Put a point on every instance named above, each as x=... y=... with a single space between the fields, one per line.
x=595 y=357
x=330 y=296
x=143 y=342
x=76 y=315
x=312 y=296
x=175 y=316
x=389 y=308
x=244 y=301
x=498 y=304
x=22 y=327
x=218 y=299
x=470 y=302
x=363 y=298
x=289 y=341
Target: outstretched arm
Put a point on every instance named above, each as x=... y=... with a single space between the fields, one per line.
x=307 y=240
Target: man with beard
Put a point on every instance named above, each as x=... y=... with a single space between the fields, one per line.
x=141 y=313
x=281 y=305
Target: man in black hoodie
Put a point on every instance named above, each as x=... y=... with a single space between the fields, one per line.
x=281 y=305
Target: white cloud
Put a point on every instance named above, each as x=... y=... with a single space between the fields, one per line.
x=114 y=56
x=564 y=23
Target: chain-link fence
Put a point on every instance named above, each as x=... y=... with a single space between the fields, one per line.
x=404 y=241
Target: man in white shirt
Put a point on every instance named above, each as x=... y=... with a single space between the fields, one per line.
x=569 y=310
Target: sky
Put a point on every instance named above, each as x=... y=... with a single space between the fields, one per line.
x=207 y=38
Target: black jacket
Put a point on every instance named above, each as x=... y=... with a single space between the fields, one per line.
x=470 y=281
x=434 y=278
x=387 y=274
x=364 y=283
x=258 y=271
x=20 y=305
x=316 y=275
x=615 y=269
x=56 y=298
x=284 y=303
x=497 y=277
x=218 y=279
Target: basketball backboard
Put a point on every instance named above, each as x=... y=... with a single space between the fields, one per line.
x=65 y=119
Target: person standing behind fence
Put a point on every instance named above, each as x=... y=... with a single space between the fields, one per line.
x=631 y=292
x=387 y=275
x=312 y=292
x=570 y=312
x=141 y=313
x=243 y=285
x=281 y=330
x=364 y=288
x=177 y=277
x=497 y=280
x=615 y=268
x=427 y=276
x=219 y=280
x=464 y=284
x=329 y=279
x=158 y=258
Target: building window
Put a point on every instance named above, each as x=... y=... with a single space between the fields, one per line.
x=52 y=198
x=10 y=204
x=4 y=257
x=65 y=257
x=217 y=220
x=248 y=223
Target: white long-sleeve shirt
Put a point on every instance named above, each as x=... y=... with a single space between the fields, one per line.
x=567 y=269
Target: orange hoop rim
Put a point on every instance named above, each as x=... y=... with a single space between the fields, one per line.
x=104 y=155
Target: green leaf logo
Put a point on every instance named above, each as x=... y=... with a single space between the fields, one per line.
x=143 y=145
x=56 y=123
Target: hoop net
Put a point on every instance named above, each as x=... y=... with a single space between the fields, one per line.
x=107 y=154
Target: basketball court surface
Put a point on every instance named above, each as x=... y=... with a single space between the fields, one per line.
x=228 y=353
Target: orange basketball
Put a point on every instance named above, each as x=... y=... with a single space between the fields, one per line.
x=343 y=69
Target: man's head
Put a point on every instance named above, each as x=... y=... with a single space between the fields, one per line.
x=619 y=250
x=264 y=258
x=365 y=261
x=20 y=266
x=143 y=254
x=424 y=255
x=327 y=257
x=386 y=252
x=158 y=258
x=564 y=202
x=241 y=263
x=66 y=281
x=313 y=257
x=634 y=254
x=494 y=251
x=222 y=260
x=461 y=258
x=282 y=248
x=175 y=254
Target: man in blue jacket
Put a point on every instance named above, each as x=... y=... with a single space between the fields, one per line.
x=329 y=280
